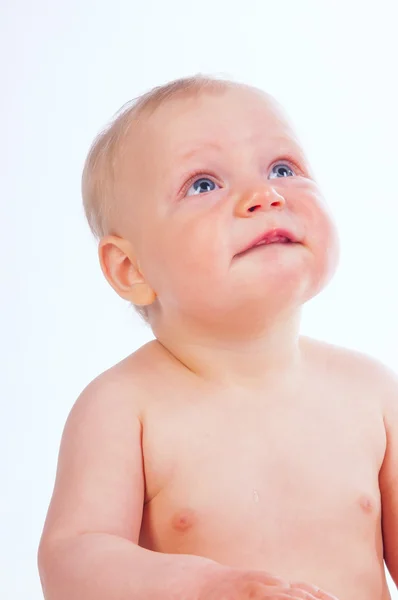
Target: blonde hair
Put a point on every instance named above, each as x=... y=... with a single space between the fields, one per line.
x=99 y=200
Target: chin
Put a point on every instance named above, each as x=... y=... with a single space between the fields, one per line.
x=284 y=292
x=320 y=281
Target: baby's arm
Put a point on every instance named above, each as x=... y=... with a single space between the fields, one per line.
x=89 y=546
x=389 y=472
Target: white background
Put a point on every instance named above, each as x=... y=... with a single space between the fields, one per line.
x=66 y=67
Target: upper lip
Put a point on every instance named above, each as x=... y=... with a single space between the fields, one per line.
x=268 y=235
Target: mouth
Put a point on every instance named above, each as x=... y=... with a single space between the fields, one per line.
x=273 y=236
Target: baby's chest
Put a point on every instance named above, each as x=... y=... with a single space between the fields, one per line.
x=234 y=478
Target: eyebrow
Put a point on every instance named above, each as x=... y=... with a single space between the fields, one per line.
x=188 y=154
x=215 y=146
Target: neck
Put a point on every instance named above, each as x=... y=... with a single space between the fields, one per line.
x=236 y=361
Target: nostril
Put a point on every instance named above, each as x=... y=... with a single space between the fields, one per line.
x=252 y=208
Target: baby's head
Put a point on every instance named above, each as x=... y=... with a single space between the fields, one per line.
x=186 y=179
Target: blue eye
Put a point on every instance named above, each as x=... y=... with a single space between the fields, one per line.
x=201 y=185
x=282 y=169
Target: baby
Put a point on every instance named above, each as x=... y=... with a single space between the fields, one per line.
x=231 y=457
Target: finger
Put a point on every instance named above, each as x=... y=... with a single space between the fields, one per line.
x=265 y=578
x=279 y=596
x=299 y=594
x=265 y=592
x=256 y=590
x=285 y=595
x=314 y=590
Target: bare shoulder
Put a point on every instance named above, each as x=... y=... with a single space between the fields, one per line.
x=100 y=485
x=377 y=379
x=124 y=383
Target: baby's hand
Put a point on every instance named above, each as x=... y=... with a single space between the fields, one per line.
x=238 y=584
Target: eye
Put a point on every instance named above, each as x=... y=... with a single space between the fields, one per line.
x=201 y=185
x=282 y=169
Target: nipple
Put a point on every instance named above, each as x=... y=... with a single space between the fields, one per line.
x=183 y=520
x=366 y=504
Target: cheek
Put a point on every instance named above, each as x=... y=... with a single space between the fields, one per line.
x=322 y=238
x=192 y=259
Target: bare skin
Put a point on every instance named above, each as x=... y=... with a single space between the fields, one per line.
x=285 y=481
x=231 y=437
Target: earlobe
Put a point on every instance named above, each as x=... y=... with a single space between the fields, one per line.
x=141 y=294
x=121 y=269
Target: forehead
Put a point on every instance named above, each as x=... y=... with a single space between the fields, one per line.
x=236 y=115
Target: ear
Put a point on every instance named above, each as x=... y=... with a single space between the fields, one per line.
x=121 y=269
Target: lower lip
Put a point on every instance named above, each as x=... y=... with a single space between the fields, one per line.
x=267 y=246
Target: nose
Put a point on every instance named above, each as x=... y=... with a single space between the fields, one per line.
x=261 y=198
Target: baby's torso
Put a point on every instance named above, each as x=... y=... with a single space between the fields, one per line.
x=286 y=481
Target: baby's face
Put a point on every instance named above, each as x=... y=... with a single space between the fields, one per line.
x=207 y=177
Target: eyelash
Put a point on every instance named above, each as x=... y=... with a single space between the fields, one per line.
x=195 y=175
